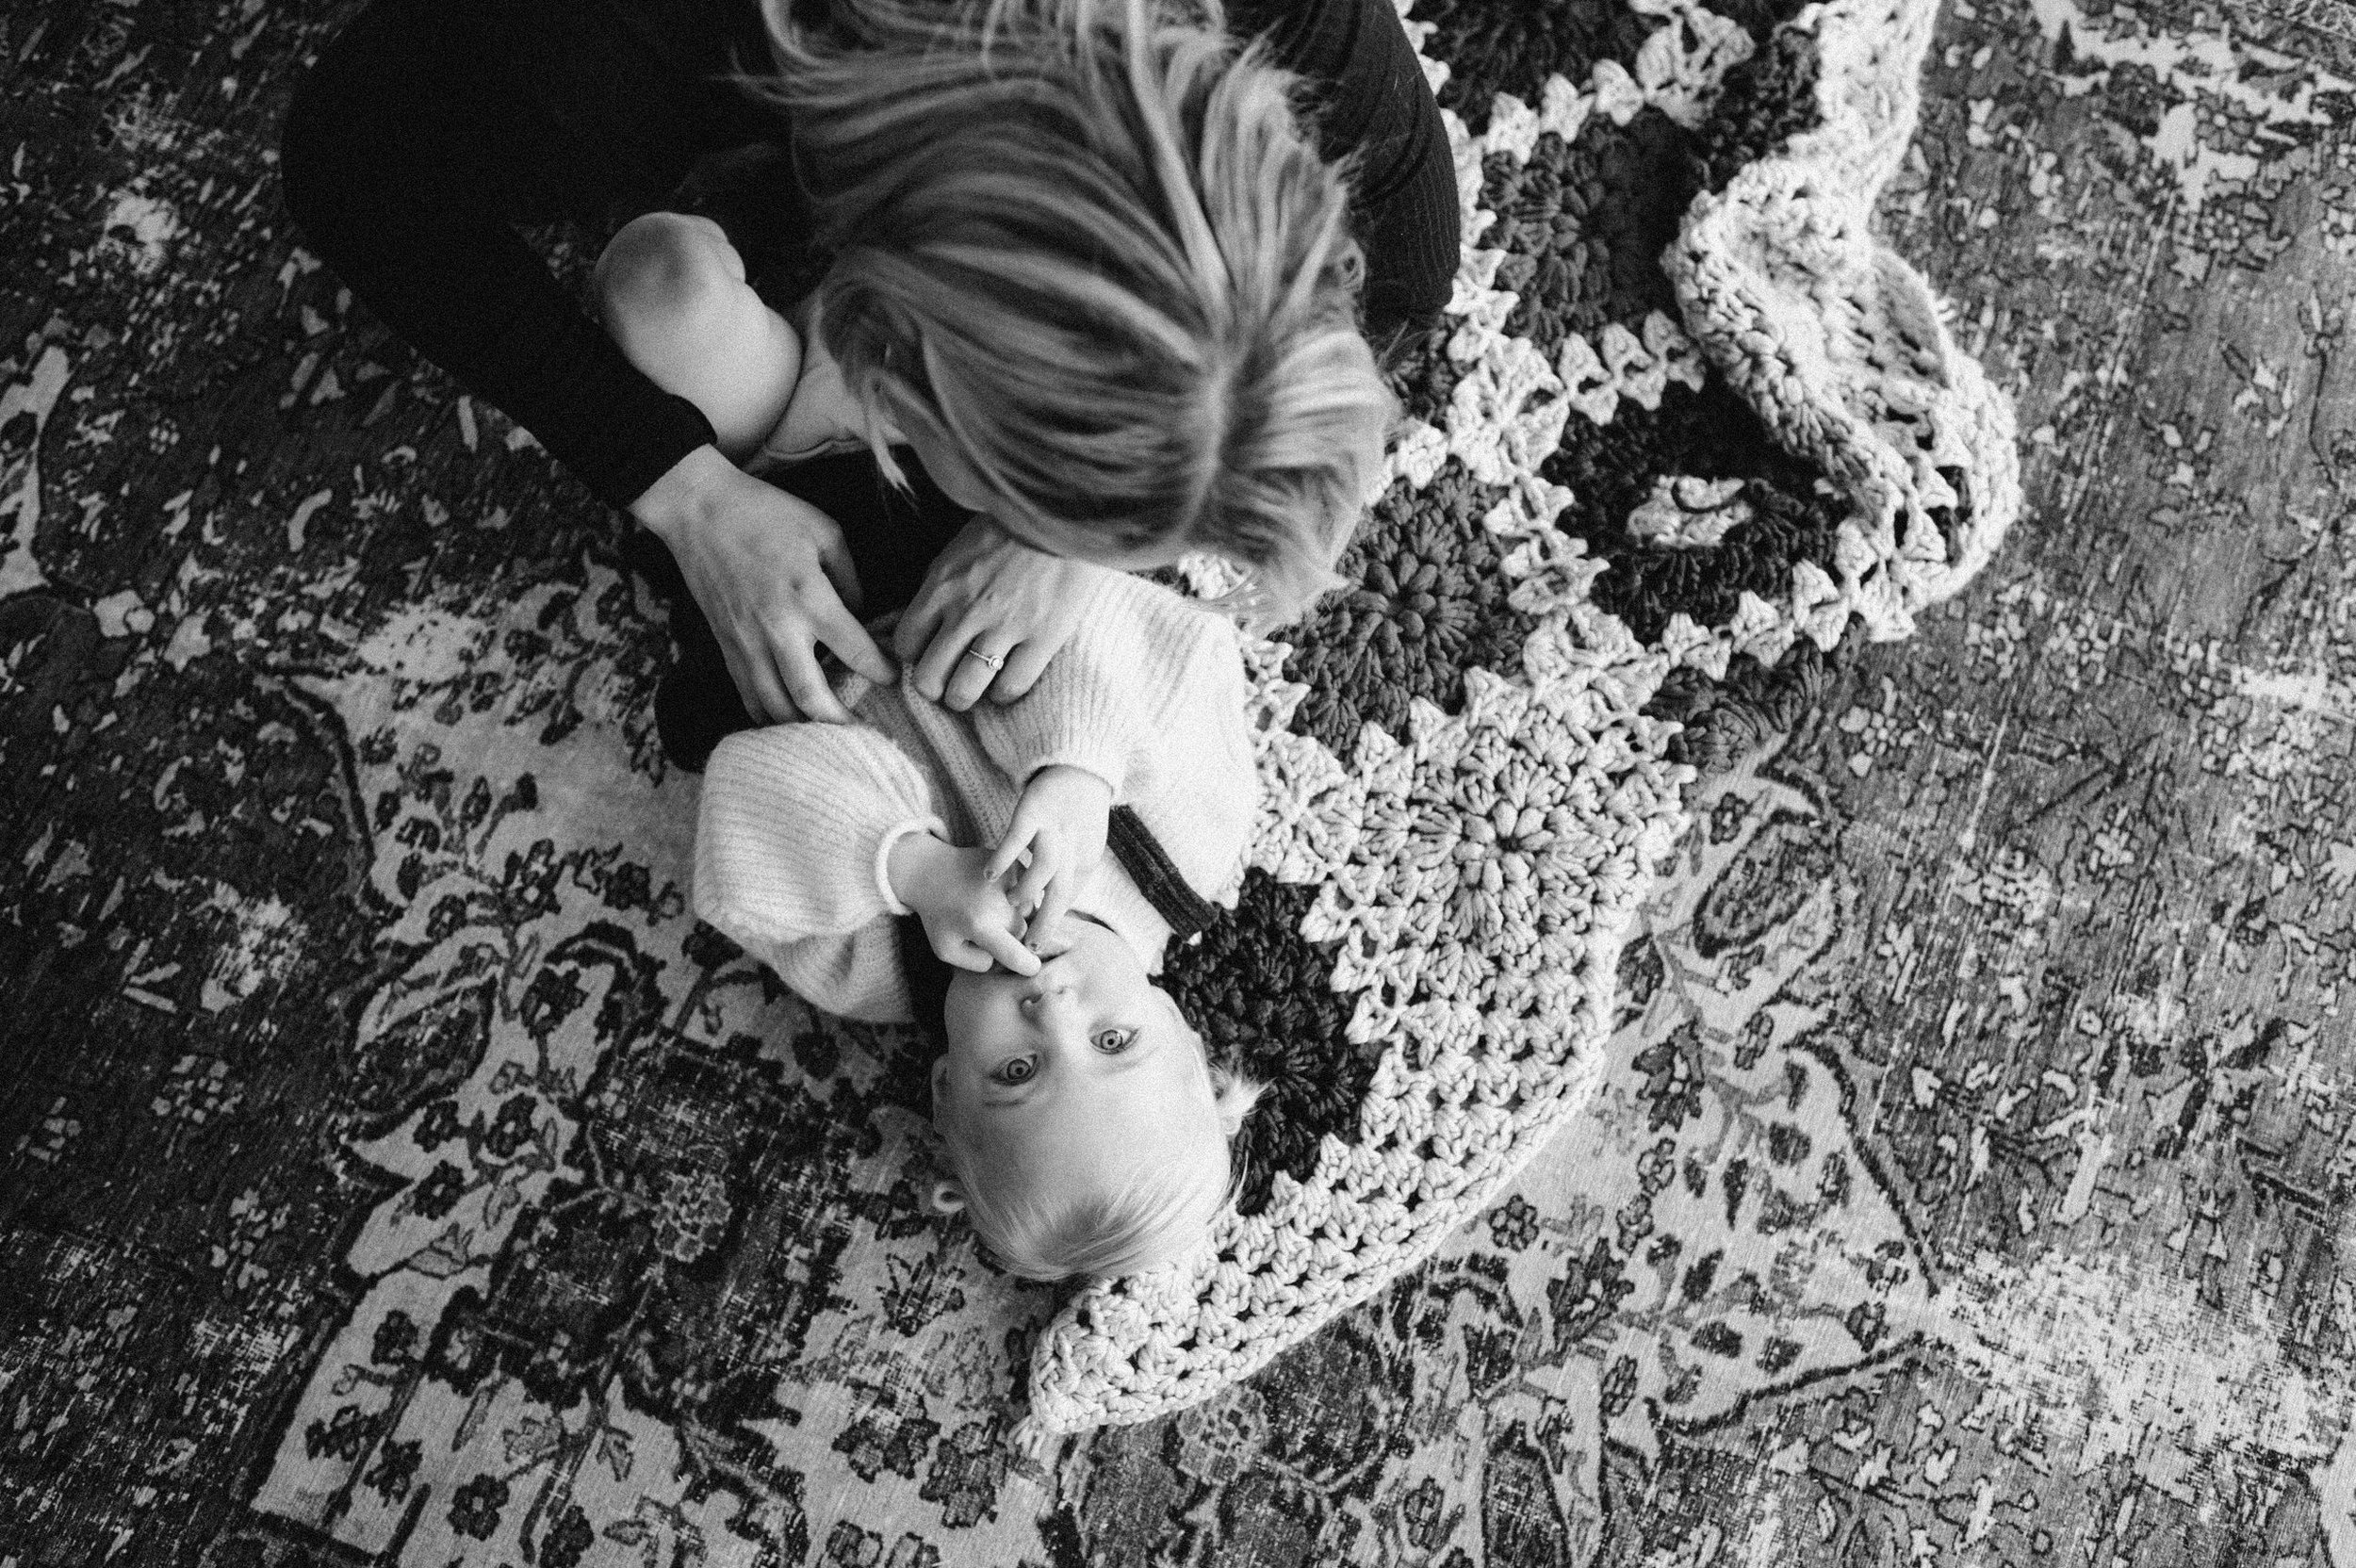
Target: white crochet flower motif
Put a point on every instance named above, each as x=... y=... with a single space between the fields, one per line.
x=1311 y=810
x=1620 y=364
x=1494 y=844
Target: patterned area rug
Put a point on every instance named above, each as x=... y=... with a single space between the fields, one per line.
x=394 y=1174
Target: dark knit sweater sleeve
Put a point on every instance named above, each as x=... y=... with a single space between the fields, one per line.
x=429 y=130
x=1373 y=107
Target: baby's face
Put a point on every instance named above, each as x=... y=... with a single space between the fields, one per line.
x=1073 y=1074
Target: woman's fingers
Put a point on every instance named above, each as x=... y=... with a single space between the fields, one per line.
x=918 y=624
x=967 y=954
x=758 y=683
x=806 y=684
x=775 y=579
x=944 y=650
x=1024 y=665
x=922 y=620
x=949 y=589
x=976 y=666
x=787 y=645
x=840 y=630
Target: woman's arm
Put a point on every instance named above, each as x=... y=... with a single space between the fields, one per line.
x=429 y=130
x=412 y=149
x=1150 y=698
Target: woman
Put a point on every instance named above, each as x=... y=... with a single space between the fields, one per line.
x=429 y=130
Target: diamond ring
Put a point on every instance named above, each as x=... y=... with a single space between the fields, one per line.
x=995 y=661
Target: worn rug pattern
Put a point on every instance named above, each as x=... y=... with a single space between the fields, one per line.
x=393 y=1173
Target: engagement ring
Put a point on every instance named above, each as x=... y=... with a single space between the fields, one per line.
x=994 y=660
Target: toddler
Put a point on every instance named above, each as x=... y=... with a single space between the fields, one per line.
x=1085 y=1128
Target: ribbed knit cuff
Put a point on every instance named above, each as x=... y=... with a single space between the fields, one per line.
x=787 y=827
x=1097 y=761
x=893 y=835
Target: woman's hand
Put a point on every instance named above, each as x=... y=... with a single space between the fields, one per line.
x=998 y=599
x=771 y=575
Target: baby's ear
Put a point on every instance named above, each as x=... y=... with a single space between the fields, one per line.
x=1231 y=1094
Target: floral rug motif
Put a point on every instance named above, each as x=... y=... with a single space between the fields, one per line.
x=396 y=1174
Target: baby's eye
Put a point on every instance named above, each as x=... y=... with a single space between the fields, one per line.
x=1112 y=1043
x=1020 y=1070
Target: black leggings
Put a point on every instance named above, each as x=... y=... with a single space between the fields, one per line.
x=893 y=537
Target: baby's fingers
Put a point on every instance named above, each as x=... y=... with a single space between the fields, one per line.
x=1057 y=902
x=1019 y=839
x=1048 y=940
x=964 y=954
x=1007 y=949
x=1037 y=878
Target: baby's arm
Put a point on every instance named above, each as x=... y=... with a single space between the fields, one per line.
x=1104 y=706
x=793 y=839
x=968 y=917
x=1057 y=836
x=672 y=294
x=1146 y=701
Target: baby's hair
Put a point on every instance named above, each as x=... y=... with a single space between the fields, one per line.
x=1089 y=244
x=1152 y=1219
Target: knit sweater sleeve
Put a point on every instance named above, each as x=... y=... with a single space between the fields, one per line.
x=1370 y=103
x=1104 y=702
x=1197 y=787
x=792 y=836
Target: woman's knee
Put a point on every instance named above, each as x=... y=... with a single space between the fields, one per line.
x=672 y=295
x=666 y=272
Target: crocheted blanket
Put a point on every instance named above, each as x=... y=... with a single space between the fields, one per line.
x=1456 y=846
x=395 y=1169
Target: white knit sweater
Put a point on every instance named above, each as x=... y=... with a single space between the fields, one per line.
x=797 y=820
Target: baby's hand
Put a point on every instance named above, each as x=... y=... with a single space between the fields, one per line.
x=967 y=915
x=1057 y=836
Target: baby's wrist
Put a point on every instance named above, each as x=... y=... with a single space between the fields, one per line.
x=1072 y=775
x=912 y=866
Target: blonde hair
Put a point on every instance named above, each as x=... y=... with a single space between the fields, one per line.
x=1089 y=244
x=1147 y=1216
